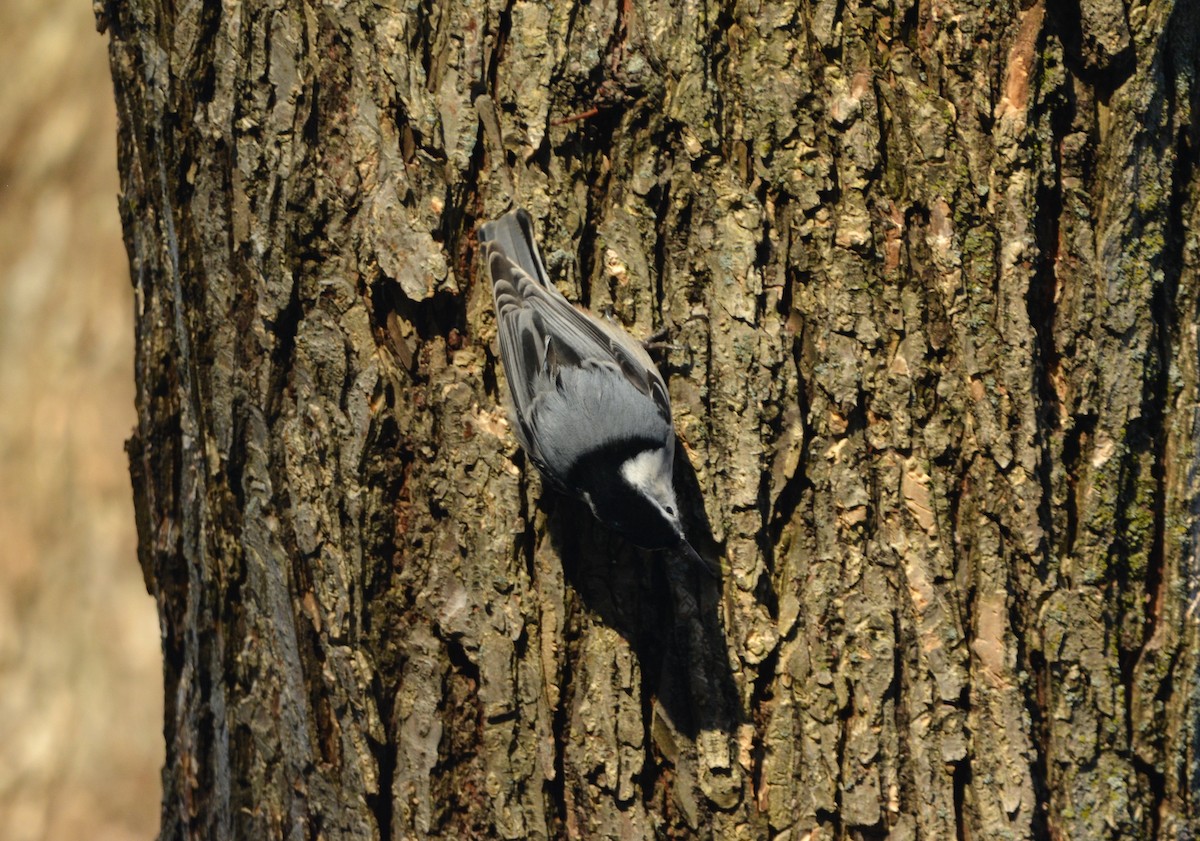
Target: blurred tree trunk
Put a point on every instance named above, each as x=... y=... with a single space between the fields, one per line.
x=932 y=274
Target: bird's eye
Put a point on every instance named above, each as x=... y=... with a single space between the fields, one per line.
x=670 y=510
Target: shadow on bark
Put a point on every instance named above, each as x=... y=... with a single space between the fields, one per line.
x=665 y=607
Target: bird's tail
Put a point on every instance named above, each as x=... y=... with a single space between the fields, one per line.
x=512 y=235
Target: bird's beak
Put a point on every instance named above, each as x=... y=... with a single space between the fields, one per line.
x=713 y=569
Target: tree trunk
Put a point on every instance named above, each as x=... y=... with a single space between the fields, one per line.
x=931 y=273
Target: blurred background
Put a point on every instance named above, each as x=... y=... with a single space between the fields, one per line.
x=80 y=678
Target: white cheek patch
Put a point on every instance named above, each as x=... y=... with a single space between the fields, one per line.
x=644 y=469
x=650 y=472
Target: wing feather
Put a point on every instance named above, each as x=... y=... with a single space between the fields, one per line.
x=532 y=313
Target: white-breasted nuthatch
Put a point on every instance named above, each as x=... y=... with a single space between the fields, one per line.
x=590 y=407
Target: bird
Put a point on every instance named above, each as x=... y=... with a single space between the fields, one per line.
x=589 y=407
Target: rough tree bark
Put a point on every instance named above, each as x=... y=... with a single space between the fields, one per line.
x=932 y=274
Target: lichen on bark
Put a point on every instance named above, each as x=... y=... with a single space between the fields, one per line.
x=930 y=273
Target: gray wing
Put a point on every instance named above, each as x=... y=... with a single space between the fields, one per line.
x=562 y=363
